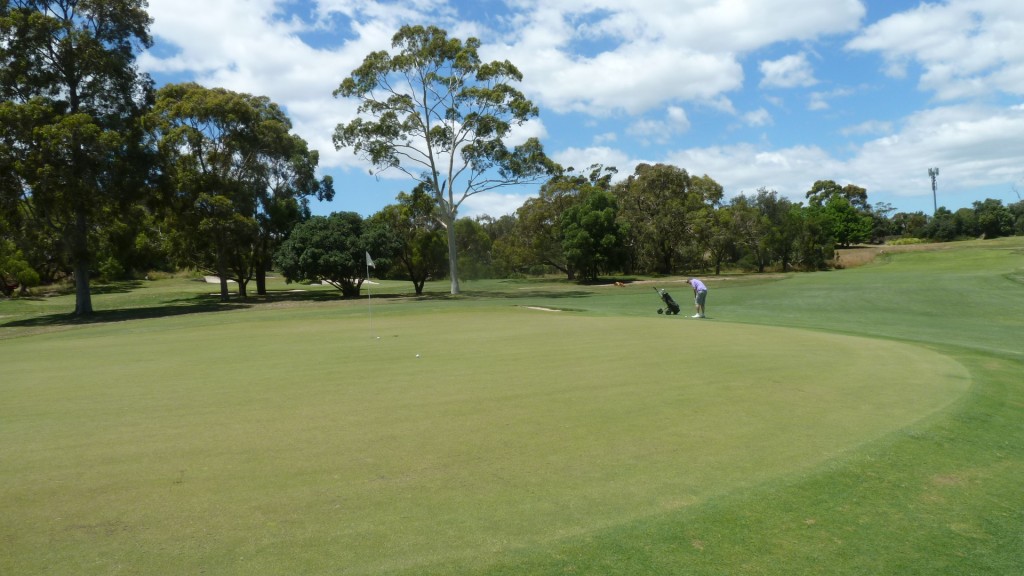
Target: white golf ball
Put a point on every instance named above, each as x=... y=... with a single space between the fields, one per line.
x=417 y=355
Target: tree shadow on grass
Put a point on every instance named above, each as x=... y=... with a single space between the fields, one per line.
x=194 y=304
x=123 y=314
x=207 y=303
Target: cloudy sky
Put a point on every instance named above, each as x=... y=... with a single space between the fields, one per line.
x=754 y=93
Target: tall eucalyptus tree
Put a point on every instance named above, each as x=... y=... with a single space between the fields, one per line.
x=436 y=112
x=70 y=97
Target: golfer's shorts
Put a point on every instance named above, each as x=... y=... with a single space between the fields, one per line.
x=702 y=295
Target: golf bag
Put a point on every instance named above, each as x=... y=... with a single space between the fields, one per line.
x=670 y=305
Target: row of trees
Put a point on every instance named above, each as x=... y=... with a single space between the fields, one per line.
x=94 y=160
x=660 y=220
x=100 y=172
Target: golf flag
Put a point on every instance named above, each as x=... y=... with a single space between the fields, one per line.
x=369 y=261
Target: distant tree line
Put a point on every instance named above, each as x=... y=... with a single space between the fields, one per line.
x=661 y=221
x=103 y=175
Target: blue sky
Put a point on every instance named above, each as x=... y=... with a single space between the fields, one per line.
x=753 y=93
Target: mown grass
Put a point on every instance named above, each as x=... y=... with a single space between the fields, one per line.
x=283 y=436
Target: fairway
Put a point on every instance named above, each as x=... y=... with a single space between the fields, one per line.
x=313 y=440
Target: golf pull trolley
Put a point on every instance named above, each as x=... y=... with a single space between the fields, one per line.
x=670 y=305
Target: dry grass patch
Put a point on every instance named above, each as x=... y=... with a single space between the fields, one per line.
x=865 y=254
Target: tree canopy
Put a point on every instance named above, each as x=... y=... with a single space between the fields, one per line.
x=593 y=240
x=414 y=240
x=70 y=97
x=663 y=210
x=100 y=173
x=329 y=249
x=436 y=112
x=237 y=178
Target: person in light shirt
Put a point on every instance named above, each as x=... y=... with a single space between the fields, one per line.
x=700 y=295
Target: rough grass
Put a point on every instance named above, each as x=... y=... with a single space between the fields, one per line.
x=284 y=437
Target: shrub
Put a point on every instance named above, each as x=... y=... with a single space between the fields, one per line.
x=906 y=241
x=110 y=269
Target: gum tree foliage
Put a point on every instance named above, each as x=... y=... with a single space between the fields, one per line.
x=847 y=207
x=237 y=178
x=816 y=244
x=909 y=224
x=70 y=95
x=994 y=219
x=592 y=237
x=328 y=249
x=822 y=190
x=501 y=230
x=704 y=224
x=662 y=210
x=474 y=245
x=716 y=236
x=750 y=229
x=537 y=238
x=413 y=239
x=988 y=218
x=783 y=220
x=1017 y=211
x=882 y=224
x=434 y=111
x=849 y=224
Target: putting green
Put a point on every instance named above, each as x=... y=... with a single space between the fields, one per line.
x=294 y=441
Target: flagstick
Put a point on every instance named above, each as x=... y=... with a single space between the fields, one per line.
x=369 y=297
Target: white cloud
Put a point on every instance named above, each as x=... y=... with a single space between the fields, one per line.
x=745 y=168
x=493 y=204
x=818 y=101
x=247 y=46
x=581 y=158
x=822 y=100
x=677 y=119
x=787 y=72
x=868 y=128
x=975 y=146
x=759 y=117
x=967 y=48
x=661 y=131
x=665 y=71
x=645 y=53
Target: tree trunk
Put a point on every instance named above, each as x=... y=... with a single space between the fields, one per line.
x=222 y=273
x=83 y=299
x=350 y=289
x=80 y=239
x=261 y=280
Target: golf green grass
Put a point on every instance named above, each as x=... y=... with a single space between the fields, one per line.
x=309 y=438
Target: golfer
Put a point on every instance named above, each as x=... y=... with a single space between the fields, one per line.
x=700 y=295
